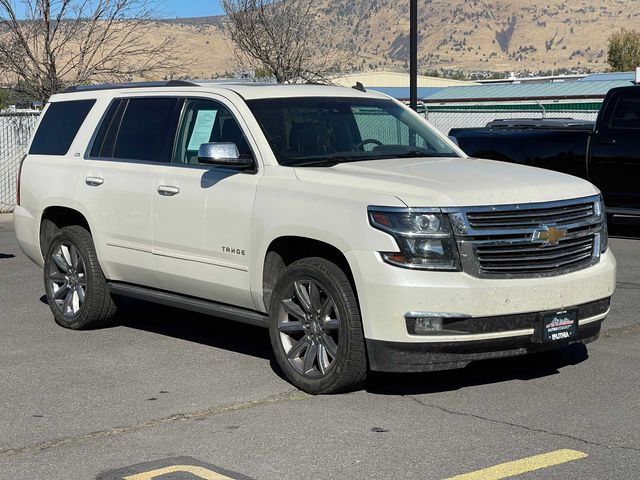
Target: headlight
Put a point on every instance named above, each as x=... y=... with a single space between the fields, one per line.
x=425 y=239
x=604 y=232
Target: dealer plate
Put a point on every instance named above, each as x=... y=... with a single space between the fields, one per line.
x=559 y=326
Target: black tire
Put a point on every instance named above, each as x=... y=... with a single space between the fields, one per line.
x=98 y=309
x=347 y=369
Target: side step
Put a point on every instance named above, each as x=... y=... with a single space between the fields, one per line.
x=206 y=307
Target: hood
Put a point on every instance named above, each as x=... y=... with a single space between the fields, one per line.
x=452 y=182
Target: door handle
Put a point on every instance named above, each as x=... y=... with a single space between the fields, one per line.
x=167 y=191
x=94 y=181
x=607 y=141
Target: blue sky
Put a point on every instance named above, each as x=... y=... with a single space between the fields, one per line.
x=176 y=8
x=192 y=8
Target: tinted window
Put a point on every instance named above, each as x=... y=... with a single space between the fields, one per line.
x=310 y=130
x=60 y=126
x=147 y=130
x=627 y=113
x=205 y=121
x=105 y=140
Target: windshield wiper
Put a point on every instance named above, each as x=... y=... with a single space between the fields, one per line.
x=331 y=161
x=337 y=159
x=411 y=154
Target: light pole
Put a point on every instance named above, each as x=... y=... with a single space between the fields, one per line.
x=413 y=53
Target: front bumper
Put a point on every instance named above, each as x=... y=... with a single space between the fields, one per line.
x=387 y=293
x=505 y=342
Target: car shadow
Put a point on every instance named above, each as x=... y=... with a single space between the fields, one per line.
x=194 y=327
x=254 y=341
x=484 y=372
x=624 y=227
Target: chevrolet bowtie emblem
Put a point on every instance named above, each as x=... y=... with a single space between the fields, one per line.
x=549 y=235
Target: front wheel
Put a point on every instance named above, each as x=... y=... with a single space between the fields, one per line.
x=77 y=291
x=316 y=330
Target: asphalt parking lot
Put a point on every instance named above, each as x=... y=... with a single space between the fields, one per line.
x=167 y=384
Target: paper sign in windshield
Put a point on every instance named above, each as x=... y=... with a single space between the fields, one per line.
x=202 y=129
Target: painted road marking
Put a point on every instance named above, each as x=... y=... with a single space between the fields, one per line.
x=199 y=472
x=181 y=468
x=518 y=467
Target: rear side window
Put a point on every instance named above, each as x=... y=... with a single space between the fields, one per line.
x=148 y=130
x=105 y=140
x=138 y=129
x=59 y=127
x=627 y=113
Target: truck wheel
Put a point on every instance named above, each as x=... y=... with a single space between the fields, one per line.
x=77 y=291
x=316 y=330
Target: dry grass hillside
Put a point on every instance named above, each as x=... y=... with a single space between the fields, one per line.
x=470 y=35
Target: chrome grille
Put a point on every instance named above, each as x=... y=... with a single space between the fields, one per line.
x=530 y=240
x=530 y=218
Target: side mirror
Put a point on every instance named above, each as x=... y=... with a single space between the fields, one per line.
x=222 y=154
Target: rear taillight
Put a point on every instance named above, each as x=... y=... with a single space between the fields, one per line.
x=18 y=181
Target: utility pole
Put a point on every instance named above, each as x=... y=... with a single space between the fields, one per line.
x=413 y=53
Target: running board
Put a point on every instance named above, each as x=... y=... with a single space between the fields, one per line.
x=206 y=307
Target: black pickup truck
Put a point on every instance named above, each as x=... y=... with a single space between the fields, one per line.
x=606 y=153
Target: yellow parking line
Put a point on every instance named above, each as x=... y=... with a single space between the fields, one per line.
x=518 y=467
x=198 y=472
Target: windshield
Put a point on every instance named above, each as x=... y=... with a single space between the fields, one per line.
x=328 y=130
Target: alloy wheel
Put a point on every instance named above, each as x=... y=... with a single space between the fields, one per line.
x=68 y=279
x=309 y=324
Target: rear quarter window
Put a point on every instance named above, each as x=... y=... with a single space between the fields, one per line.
x=59 y=127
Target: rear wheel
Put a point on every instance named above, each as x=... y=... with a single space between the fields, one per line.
x=77 y=291
x=316 y=330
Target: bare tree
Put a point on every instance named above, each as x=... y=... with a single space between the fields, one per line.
x=281 y=37
x=63 y=42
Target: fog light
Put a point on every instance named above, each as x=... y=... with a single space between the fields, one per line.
x=424 y=324
x=427 y=325
x=436 y=323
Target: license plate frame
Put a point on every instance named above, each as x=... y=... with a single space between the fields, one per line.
x=557 y=327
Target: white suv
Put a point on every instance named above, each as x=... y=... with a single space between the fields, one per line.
x=339 y=219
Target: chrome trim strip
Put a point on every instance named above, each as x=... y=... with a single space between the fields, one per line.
x=489 y=208
x=529 y=231
x=435 y=315
x=523 y=206
x=589 y=320
x=206 y=261
x=473 y=337
x=375 y=208
x=129 y=246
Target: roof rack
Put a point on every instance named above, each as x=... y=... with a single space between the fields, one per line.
x=117 y=86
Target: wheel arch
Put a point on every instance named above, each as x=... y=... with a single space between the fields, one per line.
x=54 y=218
x=287 y=249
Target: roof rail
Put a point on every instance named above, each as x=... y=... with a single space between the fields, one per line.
x=117 y=86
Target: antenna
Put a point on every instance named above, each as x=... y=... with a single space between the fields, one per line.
x=359 y=86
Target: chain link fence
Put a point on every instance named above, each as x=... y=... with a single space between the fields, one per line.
x=444 y=118
x=15 y=133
